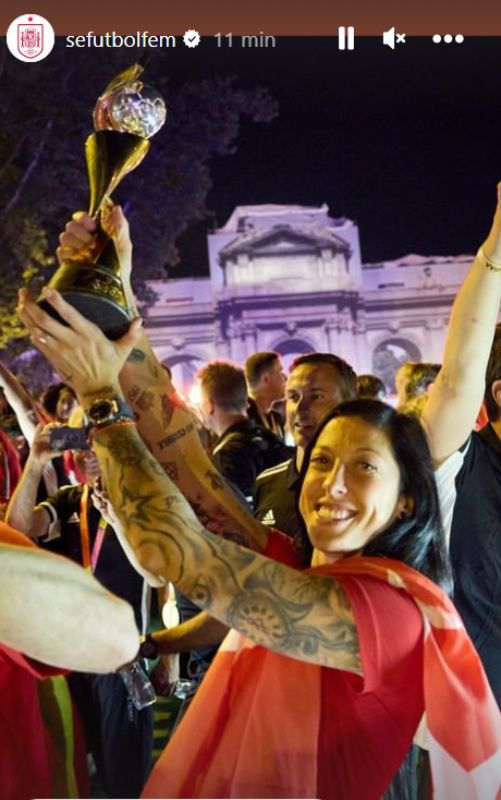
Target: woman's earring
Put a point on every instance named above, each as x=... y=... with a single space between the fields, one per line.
x=406 y=507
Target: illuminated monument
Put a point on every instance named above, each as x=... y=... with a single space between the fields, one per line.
x=290 y=278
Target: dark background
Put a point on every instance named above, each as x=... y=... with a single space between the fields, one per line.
x=407 y=142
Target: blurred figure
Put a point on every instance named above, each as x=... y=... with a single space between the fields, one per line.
x=10 y=470
x=266 y=379
x=416 y=380
x=19 y=411
x=371 y=387
x=402 y=377
x=58 y=401
x=421 y=378
x=243 y=448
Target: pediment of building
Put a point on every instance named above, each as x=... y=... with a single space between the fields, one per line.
x=283 y=240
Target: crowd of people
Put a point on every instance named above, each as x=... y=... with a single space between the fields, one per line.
x=336 y=563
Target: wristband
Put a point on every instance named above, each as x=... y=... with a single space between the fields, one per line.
x=118 y=423
x=488 y=262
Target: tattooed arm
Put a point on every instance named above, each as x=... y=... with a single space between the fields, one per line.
x=301 y=615
x=170 y=432
x=305 y=616
x=163 y=422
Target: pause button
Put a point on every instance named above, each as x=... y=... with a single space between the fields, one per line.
x=346 y=38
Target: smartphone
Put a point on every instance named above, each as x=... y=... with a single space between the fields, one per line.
x=66 y=438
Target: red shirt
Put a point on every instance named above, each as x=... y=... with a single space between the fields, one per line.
x=10 y=468
x=24 y=746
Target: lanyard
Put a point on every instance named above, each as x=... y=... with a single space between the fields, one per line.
x=89 y=561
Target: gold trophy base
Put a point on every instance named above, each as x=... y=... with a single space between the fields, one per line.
x=96 y=292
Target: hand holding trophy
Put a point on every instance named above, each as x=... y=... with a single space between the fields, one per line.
x=126 y=116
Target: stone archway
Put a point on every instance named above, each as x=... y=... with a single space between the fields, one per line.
x=289 y=349
x=390 y=354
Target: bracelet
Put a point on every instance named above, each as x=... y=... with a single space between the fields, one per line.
x=116 y=423
x=488 y=262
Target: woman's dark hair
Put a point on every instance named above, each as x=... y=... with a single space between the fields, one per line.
x=418 y=540
x=50 y=397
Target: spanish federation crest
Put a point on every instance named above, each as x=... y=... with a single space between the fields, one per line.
x=30 y=39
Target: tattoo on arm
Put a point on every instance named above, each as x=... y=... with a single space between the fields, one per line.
x=152 y=366
x=136 y=355
x=205 y=489
x=168 y=407
x=145 y=400
x=133 y=393
x=176 y=436
x=216 y=480
x=302 y=615
x=170 y=469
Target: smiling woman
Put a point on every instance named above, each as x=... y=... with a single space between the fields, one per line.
x=351 y=490
x=367 y=486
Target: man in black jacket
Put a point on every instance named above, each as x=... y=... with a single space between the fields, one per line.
x=317 y=383
x=243 y=448
x=266 y=379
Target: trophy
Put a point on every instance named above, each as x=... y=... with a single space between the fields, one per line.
x=126 y=116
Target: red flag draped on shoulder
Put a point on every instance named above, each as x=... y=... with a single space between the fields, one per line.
x=267 y=725
x=462 y=716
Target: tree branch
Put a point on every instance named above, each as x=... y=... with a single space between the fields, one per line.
x=31 y=166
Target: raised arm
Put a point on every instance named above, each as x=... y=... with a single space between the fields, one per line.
x=22 y=512
x=20 y=401
x=163 y=421
x=56 y=612
x=101 y=501
x=302 y=615
x=456 y=396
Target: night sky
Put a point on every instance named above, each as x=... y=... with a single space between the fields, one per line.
x=407 y=142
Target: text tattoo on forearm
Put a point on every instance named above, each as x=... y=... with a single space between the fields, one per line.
x=174 y=437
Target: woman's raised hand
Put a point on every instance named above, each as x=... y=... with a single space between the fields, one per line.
x=79 y=351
